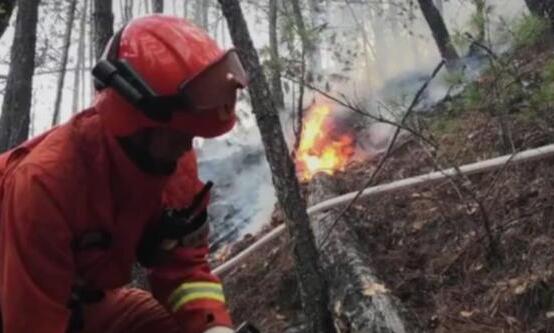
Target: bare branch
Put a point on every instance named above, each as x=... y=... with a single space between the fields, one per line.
x=343 y=102
x=387 y=154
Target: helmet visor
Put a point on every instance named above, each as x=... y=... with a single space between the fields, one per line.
x=216 y=86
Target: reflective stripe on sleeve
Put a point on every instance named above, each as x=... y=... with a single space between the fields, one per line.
x=192 y=291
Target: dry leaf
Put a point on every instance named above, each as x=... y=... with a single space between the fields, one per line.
x=520 y=289
x=372 y=289
x=338 y=307
x=511 y=320
x=419 y=225
x=466 y=314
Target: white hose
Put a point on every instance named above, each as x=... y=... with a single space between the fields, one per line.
x=397 y=186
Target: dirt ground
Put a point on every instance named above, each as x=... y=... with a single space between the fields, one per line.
x=466 y=255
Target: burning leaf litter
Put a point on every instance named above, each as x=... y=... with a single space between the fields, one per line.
x=322 y=148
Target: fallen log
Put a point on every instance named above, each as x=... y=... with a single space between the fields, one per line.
x=360 y=302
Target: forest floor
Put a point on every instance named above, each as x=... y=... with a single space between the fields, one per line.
x=429 y=245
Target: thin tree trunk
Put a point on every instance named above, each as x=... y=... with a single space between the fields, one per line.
x=535 y=7
x=313 y=287
x=147 y=6
x=381 y=43
x=78 y=84
x=206 y=14
x=440 y=33
x=201 y=13
x=158 y=6
x=480 y=18
x=307 y=44
x=103 y=25
x=16 y=109
x=276 y=84
x=305 y=75
x=63 y=65
x=316 y=21
x=91 y=34
x=542 y=8
x=128 y=10
x=6 y=9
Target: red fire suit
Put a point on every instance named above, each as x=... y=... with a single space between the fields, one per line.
x=75 y=180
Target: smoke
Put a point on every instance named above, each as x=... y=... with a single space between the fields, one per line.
x=243 y=196
x=373 y=57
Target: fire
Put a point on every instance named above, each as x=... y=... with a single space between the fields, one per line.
x=320 y=150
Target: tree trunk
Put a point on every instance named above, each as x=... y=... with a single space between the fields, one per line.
x=382 y=46
x=535 y=7
x=366 y=304
x=103 y=25
x=300 y=25
x=147 y=6
x=313 y=287
x=16 y=109
x=275 y=63
x=305 y=75
x=206 y=14
x=78 y=84
x=440 y=33
x=542 y=8
x=480 y=19
x=158 y=6
x=91 y=36
x=307 y=43
x=63 y=64
x=198 y=13
x=128 y=10
x=6 y=9
x=316 y=22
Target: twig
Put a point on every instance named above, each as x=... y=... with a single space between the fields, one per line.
x=494 y=249
x=300 y=107
x=495 y=57
x=382 y=161
x=353 y=108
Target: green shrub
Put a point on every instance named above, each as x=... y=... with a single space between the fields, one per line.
x=548 y=72
x=545 y=94
x=530 y=30
x=454 y=78
x=472 y=95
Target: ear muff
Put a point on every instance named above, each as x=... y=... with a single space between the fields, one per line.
x=120 y=75
x=110 y=54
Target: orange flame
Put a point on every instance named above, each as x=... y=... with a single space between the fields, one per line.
x=318 y=150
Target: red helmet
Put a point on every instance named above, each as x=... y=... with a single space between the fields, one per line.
x=162 y=71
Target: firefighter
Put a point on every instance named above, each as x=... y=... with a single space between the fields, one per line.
x=116 y=184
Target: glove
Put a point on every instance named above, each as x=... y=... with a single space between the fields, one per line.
x=220 y=329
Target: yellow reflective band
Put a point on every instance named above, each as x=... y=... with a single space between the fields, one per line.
x=191 y=291
x=196 y=296
x=188 y=287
